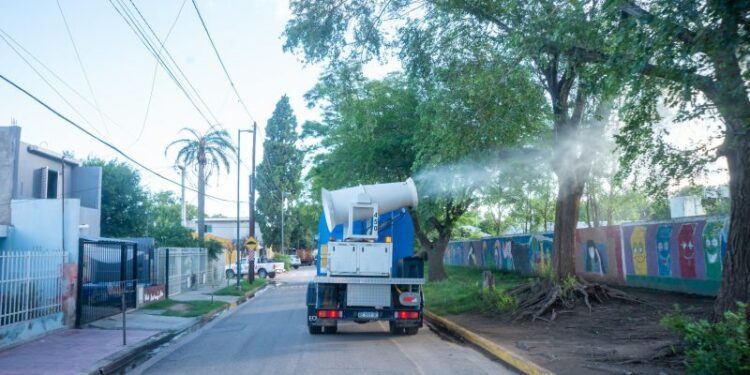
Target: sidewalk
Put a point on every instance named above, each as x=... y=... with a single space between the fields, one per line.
x=84 y=351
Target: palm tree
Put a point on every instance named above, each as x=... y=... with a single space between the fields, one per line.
x=207 y=153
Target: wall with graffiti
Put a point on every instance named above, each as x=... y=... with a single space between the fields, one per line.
x=680 y=255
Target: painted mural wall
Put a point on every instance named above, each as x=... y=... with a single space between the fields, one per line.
x=683 y=255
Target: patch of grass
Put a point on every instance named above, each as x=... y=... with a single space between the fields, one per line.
x=185 y=309
x=245 y=287
x=461 y=291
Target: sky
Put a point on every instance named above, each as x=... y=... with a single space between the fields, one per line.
x=120 y=73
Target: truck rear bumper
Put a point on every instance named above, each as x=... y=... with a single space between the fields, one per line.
x=363 y=315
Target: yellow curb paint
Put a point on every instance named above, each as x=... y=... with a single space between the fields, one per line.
x=514 y=359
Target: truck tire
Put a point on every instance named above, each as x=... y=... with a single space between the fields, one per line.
x=296 y=267
x=332 y=329
x=262 y=273
x=230 y=274
x=411 y=330
x=315 y=330
x=272 y=274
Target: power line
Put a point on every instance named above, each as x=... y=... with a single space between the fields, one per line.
x=111 y=146
x=51 y=86
x=52 y=72
x=223 y=67
x=83 y=68
x=153 y=78
x=149 y=39
x=145 y=38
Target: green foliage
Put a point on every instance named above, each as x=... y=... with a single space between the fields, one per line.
x=279 y=173
x=213 y=248
x=245 y=287
x=714 y=348
x=125 y=206
x=304 y=223
x=185 y=309
x=461 y=291
x=165 y=221
x=498 y=301
x=284 y=258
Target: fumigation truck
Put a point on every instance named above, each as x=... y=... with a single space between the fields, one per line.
x=366 y=268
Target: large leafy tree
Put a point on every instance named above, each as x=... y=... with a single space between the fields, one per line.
x=694 y=56
x=279 y=174
x=125 y=202
x=208 y=153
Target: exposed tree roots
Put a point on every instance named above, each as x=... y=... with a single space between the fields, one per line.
x=537 y=299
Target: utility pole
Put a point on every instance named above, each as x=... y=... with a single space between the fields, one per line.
x=282 y=221
x=182 y=197
x=252 y=185
x=251 y=215
x=239 y=245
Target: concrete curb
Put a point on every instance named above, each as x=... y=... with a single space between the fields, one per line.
x=120 y=360
x=517 y=361
x=249 y=294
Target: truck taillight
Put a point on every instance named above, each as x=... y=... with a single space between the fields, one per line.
x=329 y=314
x=407 y=315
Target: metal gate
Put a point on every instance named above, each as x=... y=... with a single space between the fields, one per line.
x=107 y=269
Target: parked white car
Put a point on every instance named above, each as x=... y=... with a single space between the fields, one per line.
x=263 y=268
x=296 y=262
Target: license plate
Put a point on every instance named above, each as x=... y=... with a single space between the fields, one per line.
x=368 y=314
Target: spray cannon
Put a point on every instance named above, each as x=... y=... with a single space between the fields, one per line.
x=364 y=202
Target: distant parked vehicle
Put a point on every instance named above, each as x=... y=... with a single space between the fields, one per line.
x=263 y=268
x=305 y=256
x=295 y=261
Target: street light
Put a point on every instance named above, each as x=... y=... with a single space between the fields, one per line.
x=237 y=250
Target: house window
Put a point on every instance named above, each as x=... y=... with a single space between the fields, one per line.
x=45 y=183
x=208 y=228
x=51 y=184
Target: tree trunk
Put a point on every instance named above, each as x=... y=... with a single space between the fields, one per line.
x=201 y=200
x=435 y=253
x=567 y=208
x=735 y=279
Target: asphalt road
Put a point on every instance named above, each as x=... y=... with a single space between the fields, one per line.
x=268 y=335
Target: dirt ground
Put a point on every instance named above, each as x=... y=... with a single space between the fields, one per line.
x=615 y=338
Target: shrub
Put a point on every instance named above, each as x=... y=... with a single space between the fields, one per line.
x=497 y=301
x=714 y=348
x=277 y=257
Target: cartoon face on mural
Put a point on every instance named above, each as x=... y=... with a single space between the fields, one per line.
x=663 y=250
x=687 y=249
x=638 y=245
x=508 y=256
x=713 y=244
x=593 y=258
x=540 y=252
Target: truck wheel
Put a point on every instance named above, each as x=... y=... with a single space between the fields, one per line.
x=411 y=330
x=272 y=274
x=315 y=330
x=230 y=274
x=296 y=267
x=332 y=329
x=262 y=273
